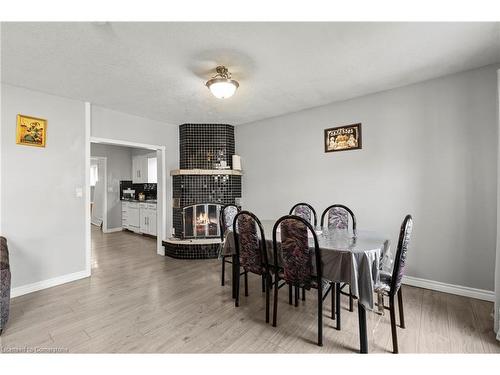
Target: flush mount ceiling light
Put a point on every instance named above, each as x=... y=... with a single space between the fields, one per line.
x=221 y=85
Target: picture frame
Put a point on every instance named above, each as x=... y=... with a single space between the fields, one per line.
x=343 y=138
x=31 y=131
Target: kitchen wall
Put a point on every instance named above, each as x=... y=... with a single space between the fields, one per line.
x=42 y=217
x=429 y=149
x=119 y=167
x=120 y=126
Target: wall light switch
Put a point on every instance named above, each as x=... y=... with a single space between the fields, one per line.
x=79 y=192
x=110 y=189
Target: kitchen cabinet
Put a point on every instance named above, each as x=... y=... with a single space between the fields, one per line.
x=133 y=217
x=143 y=169
x=147 y=212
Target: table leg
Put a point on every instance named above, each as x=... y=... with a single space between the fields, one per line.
x=363 y=336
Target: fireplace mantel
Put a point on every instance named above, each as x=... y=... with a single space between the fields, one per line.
x=217 y=172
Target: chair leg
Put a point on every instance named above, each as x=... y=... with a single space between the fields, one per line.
x=275 y=302
x=303 y=294
x=332 y=291
x=290 y=294
x=267 y=284
x=237 y=290
x=337 y=304
x=392 y=309
x=223 y=273
x=246 y=284
x=351 y=307
x=263 y=283
x=320 y=316
x=297 y=292
x=400 y=306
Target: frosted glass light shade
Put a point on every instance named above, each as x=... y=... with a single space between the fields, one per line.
x=222 y=88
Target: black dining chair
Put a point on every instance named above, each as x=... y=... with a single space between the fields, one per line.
x=297 y=268
x=390 y=284
x=226 y=218
x=337 y=216
x=251 y=252
x=305 y=211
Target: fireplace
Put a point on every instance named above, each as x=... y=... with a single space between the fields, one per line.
x=201 y=220
x=204 y=182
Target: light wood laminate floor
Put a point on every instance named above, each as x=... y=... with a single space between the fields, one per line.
x=137 y=301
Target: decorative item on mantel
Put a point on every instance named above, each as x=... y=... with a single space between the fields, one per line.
x=31 y=131
x=236 y=162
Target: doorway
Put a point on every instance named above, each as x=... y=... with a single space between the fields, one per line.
x=98 y=196
x=112 y=189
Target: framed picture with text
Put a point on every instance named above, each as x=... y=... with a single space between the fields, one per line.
x=343 y=138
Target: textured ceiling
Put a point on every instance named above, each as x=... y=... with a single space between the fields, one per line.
x=158 y=70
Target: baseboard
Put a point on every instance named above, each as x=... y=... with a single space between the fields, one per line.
x=486 y=295
x=44 y=284
x=112 y=230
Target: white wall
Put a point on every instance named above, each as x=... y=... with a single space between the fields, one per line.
x=119 y=167
x=41 y=216
x=120 y=126
x=429 y=149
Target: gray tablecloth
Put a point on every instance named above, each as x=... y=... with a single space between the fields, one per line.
x=355 y=260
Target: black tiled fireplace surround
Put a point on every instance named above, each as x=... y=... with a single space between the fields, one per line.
x=202 y=146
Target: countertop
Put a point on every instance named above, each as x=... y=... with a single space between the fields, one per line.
x=138 y=201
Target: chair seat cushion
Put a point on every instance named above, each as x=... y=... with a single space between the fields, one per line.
x=385 y=282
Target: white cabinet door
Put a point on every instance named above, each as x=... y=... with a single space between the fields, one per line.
x=125 y=215
x=133 y=217
x=143 y=217
x=136 y=170
x=152 y=220
x=140 y=169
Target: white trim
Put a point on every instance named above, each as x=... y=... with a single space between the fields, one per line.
x=88 y=245
x=39 y=285
x=118 y=142
x=161 y=214
x=486 y=295
x=112 y=230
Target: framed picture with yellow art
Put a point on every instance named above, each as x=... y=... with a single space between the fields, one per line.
x=343 y=138
x=31 y=131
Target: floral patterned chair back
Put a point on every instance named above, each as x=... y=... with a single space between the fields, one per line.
x=226 y=217
x=401 y=254
x=250 y=243
x=298 y=257
x=338 y=217
x=306 y=212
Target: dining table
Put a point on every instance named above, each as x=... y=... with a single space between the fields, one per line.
x=347 y=257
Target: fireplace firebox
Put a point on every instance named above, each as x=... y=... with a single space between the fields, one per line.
x=201 y=220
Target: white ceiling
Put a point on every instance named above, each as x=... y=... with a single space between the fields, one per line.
x=158 y=70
